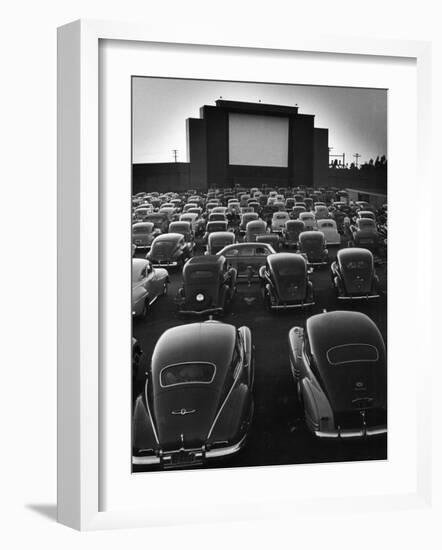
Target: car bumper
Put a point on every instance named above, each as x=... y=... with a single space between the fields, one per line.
x=198 y=455
x=351 y=434
x=362 y=297
x=291 y=306
x=142 y=246
x=163 y=264
x=201 y=312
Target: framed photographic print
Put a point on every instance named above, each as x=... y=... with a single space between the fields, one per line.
x=223 y=268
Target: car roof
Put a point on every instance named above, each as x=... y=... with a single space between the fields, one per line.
x=353 y=253
x=317 y=235
x=206 y=260
x=335 y=328
x=286 y=258
x=143 y=224
x=169 y=237
x=210 y=341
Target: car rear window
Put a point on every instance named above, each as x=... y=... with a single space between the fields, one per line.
x=357 y=265
x=201 y=274
x=352 y=353
x=142 y=229
x=187 y=373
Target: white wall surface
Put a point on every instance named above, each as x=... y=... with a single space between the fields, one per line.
x=28 y=273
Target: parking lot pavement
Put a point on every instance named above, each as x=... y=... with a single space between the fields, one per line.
x=277 y=434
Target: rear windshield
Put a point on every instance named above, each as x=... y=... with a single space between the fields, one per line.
x=352 y=353
x=187 y=373
x=202 y=274
x=142 y=229
x=357 y=265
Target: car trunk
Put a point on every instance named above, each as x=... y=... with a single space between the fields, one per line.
x=184 y=416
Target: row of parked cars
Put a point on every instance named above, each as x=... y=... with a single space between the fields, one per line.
x=209 y=282
x=196 y=404
x=198 y=401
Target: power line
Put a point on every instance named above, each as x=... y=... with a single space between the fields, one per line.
x=175 y=154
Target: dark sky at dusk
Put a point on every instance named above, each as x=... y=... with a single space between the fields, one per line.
x=356 y=117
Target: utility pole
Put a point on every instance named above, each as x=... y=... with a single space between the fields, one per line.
x=175 y=154
x=357 y=157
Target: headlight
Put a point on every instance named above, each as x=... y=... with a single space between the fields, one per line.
x=199 y=297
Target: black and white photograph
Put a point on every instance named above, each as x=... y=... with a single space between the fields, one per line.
x=259 y=274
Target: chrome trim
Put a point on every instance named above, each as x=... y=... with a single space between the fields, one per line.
x=353 y=433
x=202 y=312
x=224 y=402
x=185 y=383
x=145 y=460
x=365 y=297
x=164 y=264
x=226 y=451
x=149 y=413
x=291 y=306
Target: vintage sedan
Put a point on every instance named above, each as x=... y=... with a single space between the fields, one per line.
x=312 y=246
x=285 y=282
x=148 y=283
x=213 y=227
x=245 y=219
x=247 y=258
x=169 y=250
x=291 y=232
x=354 y=276
x=254 y=228
x=297 y=210
x=278 y=221
x=209 y=286
x=185 y=229
x=143 y=233
x=197 y=403
x=365 y=234
x=321 y=212
x=339 y=364
x=159 y=220
x=366 y=214
x=309 y=220
x=195 y=221
x=218 y=240
x=330 y=231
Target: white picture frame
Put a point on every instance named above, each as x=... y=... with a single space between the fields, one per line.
x=79 y=271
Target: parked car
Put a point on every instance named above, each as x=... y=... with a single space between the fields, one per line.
x=321 y=212
x=197 y=404
x=297 y=210
x=159 y=220
x=339 y=364
x=247 y=258
x=330 y=231
x=312 y=246
x=195 y=221
x=212 y=227
x=169 y=250
x=148 y=283
x=354 y=275
x=185 y=229
x=273 y=239
x=365 y=234
x=217 y=217
x=367 y=214
x=278 y=221
x=254 y=228
x=143 y=233
x=309 y=220
x=245 y=219
x=218 y=240
x=285 y=282
x=209 y=285
x=291 y=232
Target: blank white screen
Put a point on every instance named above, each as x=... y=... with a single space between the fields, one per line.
x=257 y=140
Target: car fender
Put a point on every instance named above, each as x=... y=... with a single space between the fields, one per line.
x=296 y=337
x=234 y=417
x=143 y=432
x=317 y=409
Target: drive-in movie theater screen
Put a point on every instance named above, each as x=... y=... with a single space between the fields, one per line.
x=259 y=274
